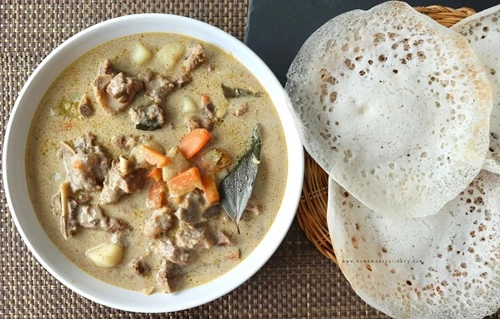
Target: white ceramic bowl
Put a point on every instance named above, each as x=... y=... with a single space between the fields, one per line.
x=14 y=173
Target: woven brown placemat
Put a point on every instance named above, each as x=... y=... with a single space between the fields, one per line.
x=297 y=282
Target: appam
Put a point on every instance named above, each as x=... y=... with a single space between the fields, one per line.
x=482 y=31
x=394 y=106
x=442 y=266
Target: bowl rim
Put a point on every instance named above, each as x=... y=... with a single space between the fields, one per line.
x=23 y=214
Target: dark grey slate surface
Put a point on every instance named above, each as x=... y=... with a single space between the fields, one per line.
x=277 y=29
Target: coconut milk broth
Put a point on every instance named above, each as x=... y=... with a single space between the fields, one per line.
x=45 y=171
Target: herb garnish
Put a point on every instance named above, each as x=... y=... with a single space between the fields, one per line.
x=236 y=187
x=148 y=124
x=230 y=92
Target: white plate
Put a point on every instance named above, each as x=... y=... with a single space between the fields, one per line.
x=14 y=173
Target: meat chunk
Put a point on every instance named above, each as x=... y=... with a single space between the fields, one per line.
x=121 y=237
x=190 y=217
x=194 y=237
x=212 y=211
x=222 y=239
x=209 y=118
x=94 y=218
x=77 y=212
x=85 y=106
x=193 y=122
x=208 y=123
x=159 y=223
x=123 y=142
x=148 y=118
x=123 y=88
x=182 y=80
x=139 y=266
x=99 y=86
x=208 y=110
x=114 y=92
x=86 y=164
x=107 y=68
x=195 y=56
x=166 y=276
x=86 y=142
x=241 y=110
x=128 y=142
x=171 y=252
x=252 y=208
x=157 y=86
x=192 y=208
x=122 y=179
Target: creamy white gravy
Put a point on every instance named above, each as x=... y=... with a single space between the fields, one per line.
x=45 y=171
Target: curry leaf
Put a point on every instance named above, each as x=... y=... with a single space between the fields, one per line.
x=230 y=92
x=236 y=187
x=147 y=124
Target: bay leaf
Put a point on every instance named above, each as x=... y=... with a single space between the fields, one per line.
x=236 y=188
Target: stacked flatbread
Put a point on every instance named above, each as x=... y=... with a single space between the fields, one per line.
x=482 y=31
x=403 y=114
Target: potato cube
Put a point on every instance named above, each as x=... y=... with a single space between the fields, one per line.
x=140 y=54
x=105 y=255
x=170 y=53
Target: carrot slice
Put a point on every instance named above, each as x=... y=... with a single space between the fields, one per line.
x=205 y=98
x=194 y=141
x=210 y=188
x=153 y=156
x=155 y=173
x=156 y=195
x=77 y=164
x=185 y=182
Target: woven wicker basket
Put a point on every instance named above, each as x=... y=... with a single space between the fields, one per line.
x=313 y=204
